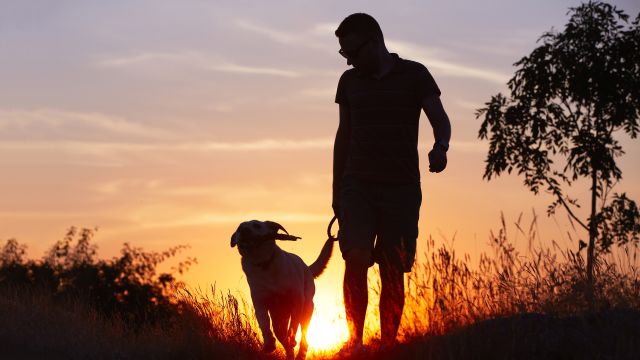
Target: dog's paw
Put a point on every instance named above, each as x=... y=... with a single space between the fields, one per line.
x=269 y=346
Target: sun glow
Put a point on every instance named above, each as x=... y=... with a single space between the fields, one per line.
x=326 y=333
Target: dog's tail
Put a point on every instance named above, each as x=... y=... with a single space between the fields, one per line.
x=318 y=266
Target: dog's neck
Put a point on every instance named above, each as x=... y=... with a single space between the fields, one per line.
x=264 y=264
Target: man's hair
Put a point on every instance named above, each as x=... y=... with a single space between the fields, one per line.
x=361 y=24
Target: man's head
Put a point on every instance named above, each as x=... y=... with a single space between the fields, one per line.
x=361 y=41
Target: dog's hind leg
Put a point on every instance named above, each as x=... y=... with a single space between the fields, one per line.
x=304 y=324
x=297 y=311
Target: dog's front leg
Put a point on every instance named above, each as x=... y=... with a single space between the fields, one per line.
x=262 y=315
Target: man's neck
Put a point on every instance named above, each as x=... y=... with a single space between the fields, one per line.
x=386 y=64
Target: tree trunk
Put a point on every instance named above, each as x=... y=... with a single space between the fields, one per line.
x=593 y=230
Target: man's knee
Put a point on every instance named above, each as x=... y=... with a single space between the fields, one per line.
x=358 y=258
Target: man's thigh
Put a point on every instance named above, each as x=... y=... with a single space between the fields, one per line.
x=399 y=210
x=357 y=221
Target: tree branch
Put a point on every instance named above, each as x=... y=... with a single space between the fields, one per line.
x=566 y=206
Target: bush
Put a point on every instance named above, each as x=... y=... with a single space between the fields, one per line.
x=128 y=286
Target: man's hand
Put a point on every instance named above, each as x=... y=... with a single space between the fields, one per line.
x=437 y=159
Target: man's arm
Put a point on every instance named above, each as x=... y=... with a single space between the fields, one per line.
x=439 y=121
x=340 y=151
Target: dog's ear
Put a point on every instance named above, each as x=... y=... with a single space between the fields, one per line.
x=275 y=227
x=234 y=239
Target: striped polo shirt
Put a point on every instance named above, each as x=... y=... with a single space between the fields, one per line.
x=383 y=146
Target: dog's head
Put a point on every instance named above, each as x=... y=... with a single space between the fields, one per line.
x=256 y=239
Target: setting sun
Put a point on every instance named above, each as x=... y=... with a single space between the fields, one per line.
x=326 y=333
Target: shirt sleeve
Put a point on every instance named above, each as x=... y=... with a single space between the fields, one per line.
x=341 y=93
x=426 y=84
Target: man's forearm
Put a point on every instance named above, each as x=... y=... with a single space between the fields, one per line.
x=438 y=119
x=442 y=128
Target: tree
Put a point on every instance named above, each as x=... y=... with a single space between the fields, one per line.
x=568 y=99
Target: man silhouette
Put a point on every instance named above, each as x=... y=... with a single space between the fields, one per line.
x=376 y=178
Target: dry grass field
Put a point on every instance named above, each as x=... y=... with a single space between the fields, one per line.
x=512 y=305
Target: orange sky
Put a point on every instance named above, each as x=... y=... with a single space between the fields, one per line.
x=167 y=123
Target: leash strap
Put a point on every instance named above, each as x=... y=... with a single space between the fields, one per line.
x=334 y=238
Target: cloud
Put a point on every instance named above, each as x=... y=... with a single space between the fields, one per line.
x=150 y=220
x=41 y=121
x=249 y=70
x=101 y=147
x=476 y=146
x=273 y=34
x=324 y=93
x=323 y=29
x=429 y=58
x=310 y=38
x=189 y=60
x=266 y=144
x=470 y=105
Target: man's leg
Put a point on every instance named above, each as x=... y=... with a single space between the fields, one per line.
x=355 y=291
x=356 y=236
x=391 y=301
x=395 y=249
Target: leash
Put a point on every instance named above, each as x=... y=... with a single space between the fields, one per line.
x=331 y=237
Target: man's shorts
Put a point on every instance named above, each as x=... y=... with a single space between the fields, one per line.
x=381 y=219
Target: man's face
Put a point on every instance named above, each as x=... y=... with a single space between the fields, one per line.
x=359 y=51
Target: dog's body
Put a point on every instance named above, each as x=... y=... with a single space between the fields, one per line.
x=281 y=284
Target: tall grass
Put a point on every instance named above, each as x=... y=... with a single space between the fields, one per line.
x=444 y=293
x=516 y=303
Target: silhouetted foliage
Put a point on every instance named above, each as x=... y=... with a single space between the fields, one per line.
x=128 y=286
x=568 y=99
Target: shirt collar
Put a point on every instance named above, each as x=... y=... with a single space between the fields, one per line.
x=396 y=68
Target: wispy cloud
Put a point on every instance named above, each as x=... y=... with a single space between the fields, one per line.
x=325 y=93
x=151 y=221
x=266 y=144
x=190 y=60
x=474 y=146
x=431 y=57
x=314 y=37
x=39 y=120
x=445 y=67
x=470 y=105
x=273 y=34
x=98 y=147
x=251 y=70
